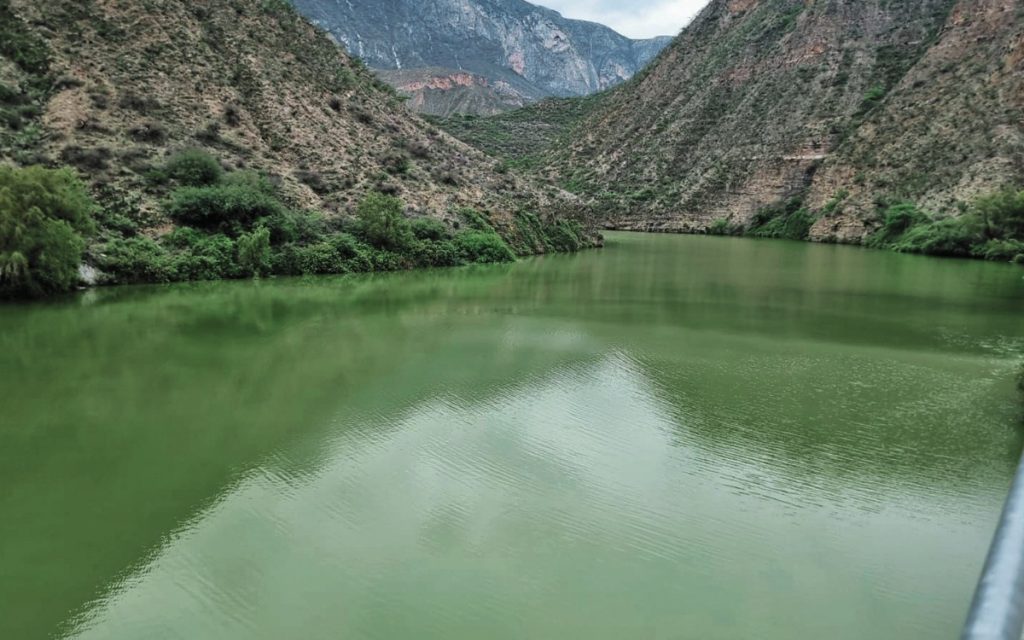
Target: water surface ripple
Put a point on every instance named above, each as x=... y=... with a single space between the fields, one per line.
x=675 y=437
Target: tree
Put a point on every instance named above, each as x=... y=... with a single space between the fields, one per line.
x=382 y=223
x=43 y=215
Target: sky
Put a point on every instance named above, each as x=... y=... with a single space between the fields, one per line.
x=633 y=18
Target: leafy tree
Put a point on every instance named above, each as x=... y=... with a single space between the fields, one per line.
x=1003 y=214
x=382 y=223
x=43 y=215
x=254 y=252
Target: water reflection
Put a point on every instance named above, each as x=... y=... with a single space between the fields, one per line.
x=674 y=433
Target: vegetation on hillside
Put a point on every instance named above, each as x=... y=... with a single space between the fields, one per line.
x=232 y=138
x=45 y=216
x=521 y=138
x=991 y=229
x=234 y=225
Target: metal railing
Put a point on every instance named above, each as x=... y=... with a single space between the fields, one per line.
x=997 y=612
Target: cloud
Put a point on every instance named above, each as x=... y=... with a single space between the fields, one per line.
x=637 y=19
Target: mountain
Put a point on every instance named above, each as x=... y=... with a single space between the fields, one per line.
x=480 y=56
x=116 y=88
x=835 y=109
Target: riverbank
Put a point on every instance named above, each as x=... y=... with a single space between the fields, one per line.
x=215 y=225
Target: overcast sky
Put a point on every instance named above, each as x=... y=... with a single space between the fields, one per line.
x=633 y=18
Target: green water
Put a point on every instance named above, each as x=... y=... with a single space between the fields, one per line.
x=674 y=437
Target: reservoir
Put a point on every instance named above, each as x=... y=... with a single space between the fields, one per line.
x=674 y=437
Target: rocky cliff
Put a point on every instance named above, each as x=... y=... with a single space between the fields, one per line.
x=114 y=88
x=519 y=52
x=846 y=105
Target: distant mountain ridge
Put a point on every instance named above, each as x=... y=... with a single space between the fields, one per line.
x=514 y=51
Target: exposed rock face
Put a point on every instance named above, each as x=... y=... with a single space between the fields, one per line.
x=533 y=52
x=254 y=84
x=848 y=102
x=442 y=92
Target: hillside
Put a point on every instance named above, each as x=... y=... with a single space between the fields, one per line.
x=481 y=56
x=839 y=108
x=116 y=89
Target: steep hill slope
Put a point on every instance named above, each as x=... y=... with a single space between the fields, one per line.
x=825 y=114
x=951 y=130
x=509 y=50
x=114 y=87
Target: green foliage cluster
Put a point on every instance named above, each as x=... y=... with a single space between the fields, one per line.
x=20 y=45
x=194 y=168
x=992 y=229
x=234 y=226
x=789 y=220
x=722 y=227
x=44 y=215
x=533 y=235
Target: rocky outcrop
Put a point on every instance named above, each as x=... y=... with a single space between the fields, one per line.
x=850 y=105
x=532 y=51
x=442 y=92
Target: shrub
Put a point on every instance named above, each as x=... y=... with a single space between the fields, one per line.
x=429 y=229
x=1003 y=250
x=474 y=219
x=481 y=247
x=337 y=253
x=381 y=222
x=320 y=258
x=254 y=252
x=229 y=208
x=437 y=254
x=43 y=215
x=564 y=235
x=136 y=260
x=789 y=220
x=202 y=256
x=194 y=168
x=1003 y=213
x=956 y=237
x=721 y=227
x=898 y=219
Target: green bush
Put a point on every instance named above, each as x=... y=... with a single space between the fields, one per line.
x=564 y=235
x=254 y=252
x=474 y=219
x=429 y=229
x=481 y=247
x=898 y=220
x=789 y=220
x=437 y=254
x=43 y=216
x=337 y=253
x=1002 y=250
x=722 y=227
x=295 y=226
x=1003 y=214
x=953 y=237
x=136 y=260
x=230 y=208
x=202 y=256
x=382 y=222
x=194 y=168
